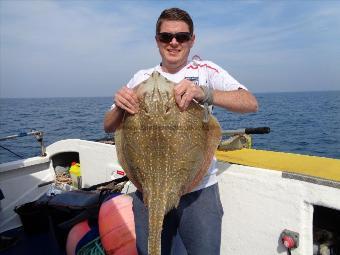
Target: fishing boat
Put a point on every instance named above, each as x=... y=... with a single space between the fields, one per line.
x=274 y=202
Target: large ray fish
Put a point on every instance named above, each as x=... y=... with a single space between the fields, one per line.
x=165 y=152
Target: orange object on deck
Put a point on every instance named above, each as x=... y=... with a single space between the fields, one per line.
x=75 y=235
x=117 y=226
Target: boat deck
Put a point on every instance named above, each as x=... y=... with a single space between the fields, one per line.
x=37 y=244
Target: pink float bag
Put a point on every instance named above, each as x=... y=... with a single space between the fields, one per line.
x=117 y=226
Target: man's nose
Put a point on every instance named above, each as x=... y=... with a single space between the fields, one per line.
x=174 y=41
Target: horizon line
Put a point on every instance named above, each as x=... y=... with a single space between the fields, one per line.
x=262 y=92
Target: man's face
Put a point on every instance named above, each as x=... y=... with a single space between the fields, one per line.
x=174 y=54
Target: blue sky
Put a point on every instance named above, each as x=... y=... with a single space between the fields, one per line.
x=92 y=48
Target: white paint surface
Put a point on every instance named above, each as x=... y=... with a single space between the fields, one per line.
x=259 y=204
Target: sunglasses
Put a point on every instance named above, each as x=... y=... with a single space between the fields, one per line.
x=180 y=37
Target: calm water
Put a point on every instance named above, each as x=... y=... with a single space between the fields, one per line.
x=305 y=123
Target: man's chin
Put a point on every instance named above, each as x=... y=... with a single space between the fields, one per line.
x=173 y=60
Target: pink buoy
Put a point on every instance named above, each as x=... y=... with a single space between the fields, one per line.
x=75 y=235
x=117 y=226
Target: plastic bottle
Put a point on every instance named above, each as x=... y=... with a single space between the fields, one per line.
x=75 y=174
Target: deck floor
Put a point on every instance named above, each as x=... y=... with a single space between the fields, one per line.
x=35 y=244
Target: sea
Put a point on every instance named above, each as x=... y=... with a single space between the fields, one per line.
x=300 y=122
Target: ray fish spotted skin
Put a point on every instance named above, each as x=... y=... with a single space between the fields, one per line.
x=165 y=152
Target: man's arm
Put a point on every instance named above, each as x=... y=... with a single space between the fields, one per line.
x=241 y=100
x=112 y=119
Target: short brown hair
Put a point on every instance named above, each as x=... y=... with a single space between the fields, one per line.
x=175 y=14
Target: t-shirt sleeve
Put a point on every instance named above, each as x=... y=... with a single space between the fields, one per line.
x=220 y=79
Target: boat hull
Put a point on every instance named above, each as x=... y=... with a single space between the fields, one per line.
x=259 y=203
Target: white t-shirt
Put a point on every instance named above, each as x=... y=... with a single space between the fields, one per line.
x=203 y=73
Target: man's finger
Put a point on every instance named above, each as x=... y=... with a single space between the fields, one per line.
x=178 y=92
x=132 y=96
x=127 y=103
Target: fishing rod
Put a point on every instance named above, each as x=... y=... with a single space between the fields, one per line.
x=247 y=131
x=38 y=135
x=21 y=134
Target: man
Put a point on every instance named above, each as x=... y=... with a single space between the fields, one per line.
x=199 y=214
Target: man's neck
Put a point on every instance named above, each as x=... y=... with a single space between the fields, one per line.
x=172 y=68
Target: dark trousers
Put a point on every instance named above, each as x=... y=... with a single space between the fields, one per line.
x=197 y=219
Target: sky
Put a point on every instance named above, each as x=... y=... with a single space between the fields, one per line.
x=92 y=48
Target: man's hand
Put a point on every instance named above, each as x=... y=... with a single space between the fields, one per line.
x=185 y=92
x=126 y=99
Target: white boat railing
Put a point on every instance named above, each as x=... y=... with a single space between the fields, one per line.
x=39 y=135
